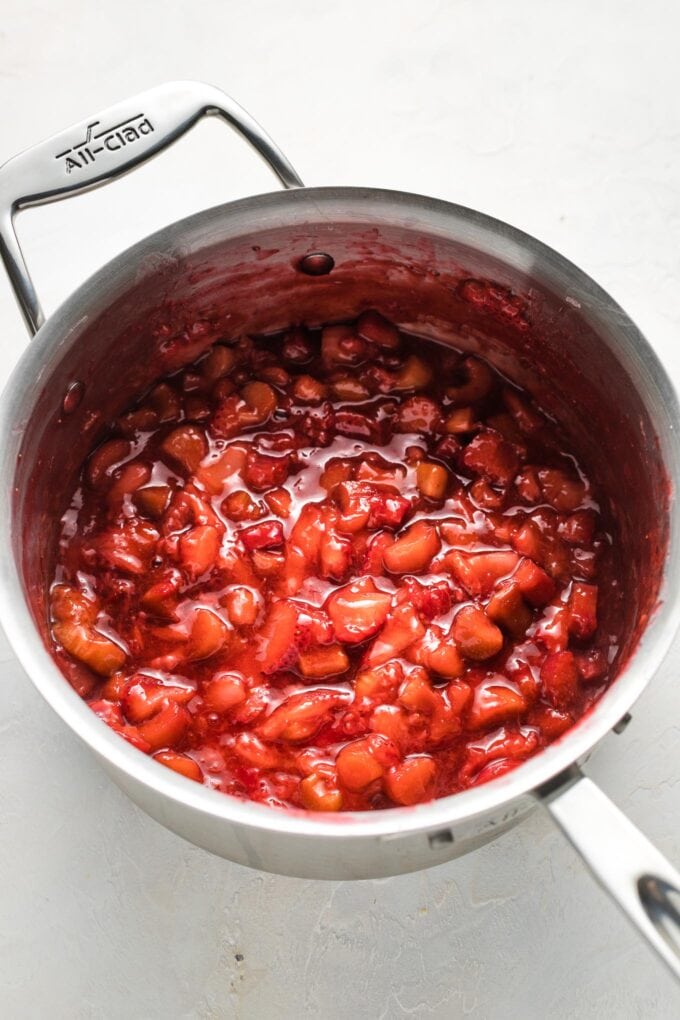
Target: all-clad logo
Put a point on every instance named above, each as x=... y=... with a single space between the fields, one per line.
x=109 y=139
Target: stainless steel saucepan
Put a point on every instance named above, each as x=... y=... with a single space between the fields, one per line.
x=242 y=267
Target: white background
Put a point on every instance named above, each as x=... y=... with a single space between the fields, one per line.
x=562 y=118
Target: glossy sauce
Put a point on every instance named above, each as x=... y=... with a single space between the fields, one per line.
x=338 y=569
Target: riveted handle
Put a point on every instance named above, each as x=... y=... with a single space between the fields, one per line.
x=105 y=146
x=635 y=874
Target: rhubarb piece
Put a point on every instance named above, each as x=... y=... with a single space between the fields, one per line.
x=414 y=550
x=476 y=636
x=185 y=447
x=358 y=611
x=412 y=781
x=433 y=480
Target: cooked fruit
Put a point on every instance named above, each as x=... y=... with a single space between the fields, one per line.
x=337 y=569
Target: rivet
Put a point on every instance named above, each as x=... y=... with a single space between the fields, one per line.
x=622 y=723
x=442 y=838
x=72 y=397
x=317 y=263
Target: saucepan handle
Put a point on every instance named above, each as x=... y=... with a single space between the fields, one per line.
x=637 y=877
x=104 y=147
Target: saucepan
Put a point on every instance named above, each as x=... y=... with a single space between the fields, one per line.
x=314 y=255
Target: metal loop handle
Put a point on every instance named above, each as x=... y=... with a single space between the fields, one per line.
x=105 y=146
x=634 y=873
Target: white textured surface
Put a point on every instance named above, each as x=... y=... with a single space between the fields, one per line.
x=561 y=118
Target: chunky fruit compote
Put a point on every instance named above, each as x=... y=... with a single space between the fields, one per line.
x=337 y=569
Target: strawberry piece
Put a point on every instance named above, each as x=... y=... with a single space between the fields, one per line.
x=358 y=610
x=318 y=424
x=375 y=551
x=495 y=701
x=508 y=609
x=313 y=626
x=438 y=653
x=375 y=328
x=262 y=471
x=239 y=506
x=430 y=600
x=560 y=679
x=254 y=752
x=308 y=390
x=551 y=722
x=412 y=781
x=480 y=572
x=267 y=535
x=379 y=685
x=592 y=665
x=492 y=457
x=419 y=414
x=506 y=744
x=297 y=346
x=109 y=713
x=563 y=491
x=474 y=633
x=276 y=641
x=340 y=345
x=486 y=496
x=552 y=628
x=417 y=693
x=224 y=691
x=448 y=450
x=112 y=716
x=267 y=563
x=578 y=528
x=198 y=550
x=401 y=629
x=300 y=716
x=336 y=470
x=528 y=486
x=335 y=556
x=413 y=550
x=459 y=696
x=537 y=587
x=376 y=505
x=242 y=605
x=583 y=609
